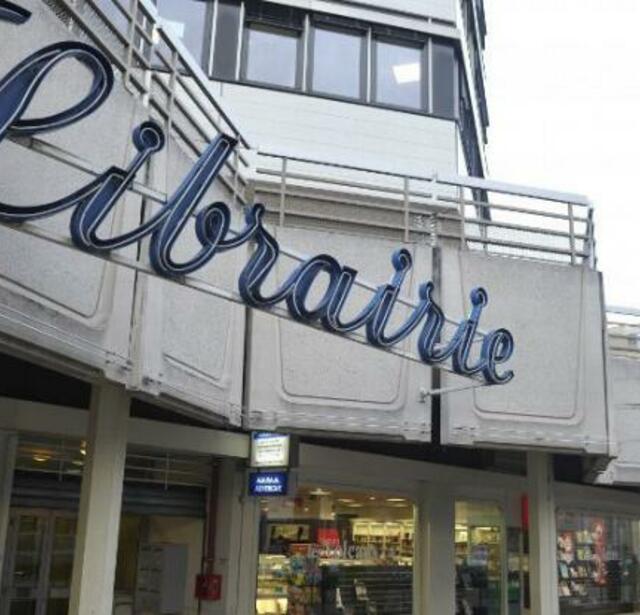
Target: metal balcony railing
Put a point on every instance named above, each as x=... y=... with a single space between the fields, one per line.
x=492 y=217
x=156 y=68
x=623 y=331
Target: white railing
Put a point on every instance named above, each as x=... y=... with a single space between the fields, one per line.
x=155 y=67
x=623 y=331
x=490 y=216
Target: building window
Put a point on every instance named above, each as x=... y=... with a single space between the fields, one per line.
x=328 y=552
x=272 y=56
x=399 y=75
x=187 y=19
x=445 y=82
x=479 y=543
x=598 y=563
x=225 y=52
x=337 y=64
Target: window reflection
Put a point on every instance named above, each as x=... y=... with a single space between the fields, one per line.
x=399 y=75
x=272 y=56
x=187 y=20
x=337 y=63
x=479 y=540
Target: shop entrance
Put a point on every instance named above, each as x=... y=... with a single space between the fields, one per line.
x=38 y=563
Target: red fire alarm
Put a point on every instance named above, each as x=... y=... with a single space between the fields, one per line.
x=209 y=587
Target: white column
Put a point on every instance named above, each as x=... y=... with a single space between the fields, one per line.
x=228 y=537
x=542 y=535
x=94 y=564
x=8 y=444
x=435 y=561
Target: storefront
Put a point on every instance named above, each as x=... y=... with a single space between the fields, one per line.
x=327 y=550
x=598 y=555
x=162 y=532
x=449 y=359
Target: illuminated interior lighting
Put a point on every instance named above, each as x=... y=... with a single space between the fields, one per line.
x=396 y=500
x=319 y=491
x=407 y=73
x=41 y=458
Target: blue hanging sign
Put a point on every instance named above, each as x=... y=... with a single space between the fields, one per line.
x=92 y=203
x=268 y=484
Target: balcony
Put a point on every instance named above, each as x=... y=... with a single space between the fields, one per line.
x=533 y=250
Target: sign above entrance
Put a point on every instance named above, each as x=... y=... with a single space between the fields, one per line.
x=92 y=204
x=270 y=450
x=268 y=484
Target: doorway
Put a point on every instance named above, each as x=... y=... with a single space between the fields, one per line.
x=38 y=563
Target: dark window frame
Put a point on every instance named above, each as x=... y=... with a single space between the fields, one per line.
x=425 y=89
x=285 y=31
x=204 y=61
x=364 y=63
x=457 y=60
x=211 y=58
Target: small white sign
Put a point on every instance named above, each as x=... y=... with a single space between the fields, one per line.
x=269 y=450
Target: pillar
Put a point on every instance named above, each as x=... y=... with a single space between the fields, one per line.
x=542 y=535
x=435 y=561
x=228 y=536
x=96 y=549
x=8 y=444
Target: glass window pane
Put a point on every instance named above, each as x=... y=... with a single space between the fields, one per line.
x=399 y=77
x=444 y=70
x=479 y=541
x=187 y=19
x=272 y=57
x=337 y=63
x=327 y=552
x=226 y=48
x=598 y=569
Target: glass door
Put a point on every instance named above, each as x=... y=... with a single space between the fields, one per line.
x=22 y=586
x=38 y=563
x=63 y=539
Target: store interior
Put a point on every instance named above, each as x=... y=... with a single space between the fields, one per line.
x=327 y=551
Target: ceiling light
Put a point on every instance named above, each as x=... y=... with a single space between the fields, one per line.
x=407 y=73
x=346 y=500
x=396 y=500
x=318 y=491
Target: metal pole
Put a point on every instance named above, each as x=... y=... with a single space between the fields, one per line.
x=406 y=209
x=572 y=237
x=283 y=190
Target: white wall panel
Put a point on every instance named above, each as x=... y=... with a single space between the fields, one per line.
x=339 y=132
x=437 y=9
x=190 y=345
x=65 y=301
x=624 y=376
x=307 y=379
x=558 y=396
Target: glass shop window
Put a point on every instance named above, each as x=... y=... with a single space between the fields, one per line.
x=272 y=56
x=478 y=543
x=399 y=75
x=325 y=552
x=188 y=20
x=444 y=80
x=598 y=563
x=337 y=65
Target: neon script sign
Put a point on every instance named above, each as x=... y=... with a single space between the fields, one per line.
x=92 y=203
